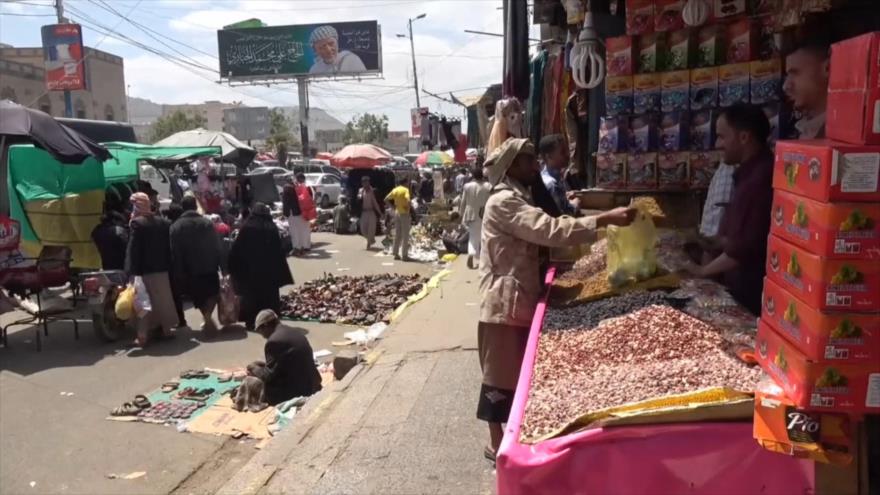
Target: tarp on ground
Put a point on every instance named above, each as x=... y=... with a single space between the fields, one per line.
x=234 y=151
x=123 y=167
x=55 y=204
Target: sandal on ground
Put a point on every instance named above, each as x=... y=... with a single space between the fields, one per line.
x=141 y=401
x=127 y=409
x=169 y=387
x=194 y=374
x=224 y=377
x=489 y=453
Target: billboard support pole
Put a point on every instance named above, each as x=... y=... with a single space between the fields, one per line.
x=68 y=101
x=302 y=86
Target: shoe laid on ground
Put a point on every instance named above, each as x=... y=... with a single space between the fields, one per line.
x=470 y=262
x=407 y=259
x=397 y=257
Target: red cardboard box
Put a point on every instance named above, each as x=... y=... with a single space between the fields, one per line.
x=832 y=230
x=827 y=170
x=853 y=388
x=841 y=285
x=821 y=336
x=619 y=56
x=782 y=428
x=853 y=113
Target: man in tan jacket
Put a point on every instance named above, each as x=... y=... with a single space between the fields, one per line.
x=510 y=282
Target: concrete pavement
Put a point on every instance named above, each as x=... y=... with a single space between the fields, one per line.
x=54 y=443
x=404 y=423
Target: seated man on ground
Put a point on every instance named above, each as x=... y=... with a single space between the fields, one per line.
x=289 y=370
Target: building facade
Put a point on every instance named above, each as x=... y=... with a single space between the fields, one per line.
x=22 y=80
x=211 y=111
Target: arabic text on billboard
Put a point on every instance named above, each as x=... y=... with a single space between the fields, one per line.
x=314 y=50
x=63 y=56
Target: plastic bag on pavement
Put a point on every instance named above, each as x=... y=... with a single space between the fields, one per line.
x=227 y=308
x=125 y=304
x=632 y=251
x=142 y=303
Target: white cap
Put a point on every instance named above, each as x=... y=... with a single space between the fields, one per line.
x=323 y=33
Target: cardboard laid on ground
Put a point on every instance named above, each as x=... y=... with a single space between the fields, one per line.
x=222 y=419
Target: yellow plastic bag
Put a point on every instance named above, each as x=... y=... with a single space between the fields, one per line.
x=125 y=304
x=632 y=251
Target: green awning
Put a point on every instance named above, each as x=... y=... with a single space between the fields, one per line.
x=123 y=166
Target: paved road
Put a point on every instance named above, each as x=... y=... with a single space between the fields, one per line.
x=54 y=443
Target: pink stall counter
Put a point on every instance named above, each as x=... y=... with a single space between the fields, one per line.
x=694 y=458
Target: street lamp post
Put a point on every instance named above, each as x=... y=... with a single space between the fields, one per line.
x=412 y=48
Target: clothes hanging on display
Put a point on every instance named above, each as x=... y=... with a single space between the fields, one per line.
x=473 y=126
x=536 y=94
x=577 y=130
x=515 y=81
x=461 y=149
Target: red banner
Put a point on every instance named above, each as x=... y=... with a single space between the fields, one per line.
x=63 y=54
x=416 y=118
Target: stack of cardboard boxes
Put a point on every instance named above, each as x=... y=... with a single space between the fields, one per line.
x=819 y=334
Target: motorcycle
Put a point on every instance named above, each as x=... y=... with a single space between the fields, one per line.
x=102 y=289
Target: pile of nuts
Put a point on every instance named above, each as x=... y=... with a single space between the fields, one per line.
x=589 y=265
x=651 y=353
x=350 y=300
x=588 y=315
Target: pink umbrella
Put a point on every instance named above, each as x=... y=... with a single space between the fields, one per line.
x=360 y=156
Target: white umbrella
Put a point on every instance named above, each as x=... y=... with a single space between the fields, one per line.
x=233 y=150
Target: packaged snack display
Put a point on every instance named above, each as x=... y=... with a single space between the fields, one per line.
x=646 y=93
x=710 y=45
x=828 y=170
x=854 y=90
x=823 y=386
x=667 y=15
x=832 y=230
x=619 y=56
x=672 y=171
x=702 y=130
x=781 y=427
x=701 y=167
x=679 y=50
x=611 y=171
x=652 y=46
x=639 y=16
x=674 y=90
x=618 y=95
x=821 y=336
x=768 y=44
x=704 y=88
x=613 y=134
x=765 y=81
x=733 y=84
x=759 y=8
x=729 y=8
x=742 y=38
x=826 y=284
x=641 y=171
x=674 y=134
x=643 y=133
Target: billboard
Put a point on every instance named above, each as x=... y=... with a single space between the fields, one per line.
x=415 y=117
x=247 y=123
x=63 y=57
x=312 y=50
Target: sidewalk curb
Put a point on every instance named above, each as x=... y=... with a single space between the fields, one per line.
x=254 y=475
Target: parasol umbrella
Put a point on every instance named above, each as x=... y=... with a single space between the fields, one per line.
x=360 y=156
x=324 y=155
x=234 y=151
x=19 y=124
x=434 y=159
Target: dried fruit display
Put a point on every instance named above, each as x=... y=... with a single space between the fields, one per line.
x=590 y=314
x=651 y=353
x=589 y=265
x=350 y=300
x=705 y=292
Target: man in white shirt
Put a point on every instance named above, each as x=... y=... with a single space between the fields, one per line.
x=717 y=198
x=329 y=60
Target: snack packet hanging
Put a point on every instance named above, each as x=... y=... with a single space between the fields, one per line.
x=632 y=251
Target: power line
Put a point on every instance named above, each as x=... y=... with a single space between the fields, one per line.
x=26 y=15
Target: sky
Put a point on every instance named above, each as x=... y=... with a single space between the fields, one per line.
x=447 y=58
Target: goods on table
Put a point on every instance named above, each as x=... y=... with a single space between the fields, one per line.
x=704 y=293
x=170 y=410
x=566 y=292
x=735 y=324
x=350 y=300
x=590 y=265
x=590 y=314
x=827 y=171
x=651 y=353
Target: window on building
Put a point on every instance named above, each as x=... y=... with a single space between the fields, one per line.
x=8 y=93
x=108 y=112
x=79 y=109
x=45 y=104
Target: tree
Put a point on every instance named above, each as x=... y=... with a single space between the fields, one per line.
x=280 y=138
x=174 y=123
x=366 y=128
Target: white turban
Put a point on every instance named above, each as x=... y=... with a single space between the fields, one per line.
x=323 y=33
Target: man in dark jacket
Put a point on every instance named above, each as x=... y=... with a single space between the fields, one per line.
x=195 y=253
x=289 y=370
x=111 y=239
x=258 y=266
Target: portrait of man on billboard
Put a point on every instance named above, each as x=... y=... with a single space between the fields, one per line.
x=328 y=59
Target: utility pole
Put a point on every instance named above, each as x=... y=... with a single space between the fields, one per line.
x=302 y=86
x=68 y=102
x=412 y=48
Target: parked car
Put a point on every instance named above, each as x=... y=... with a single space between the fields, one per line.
x=327 y=188
x=281 y=174
x=317 y=168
